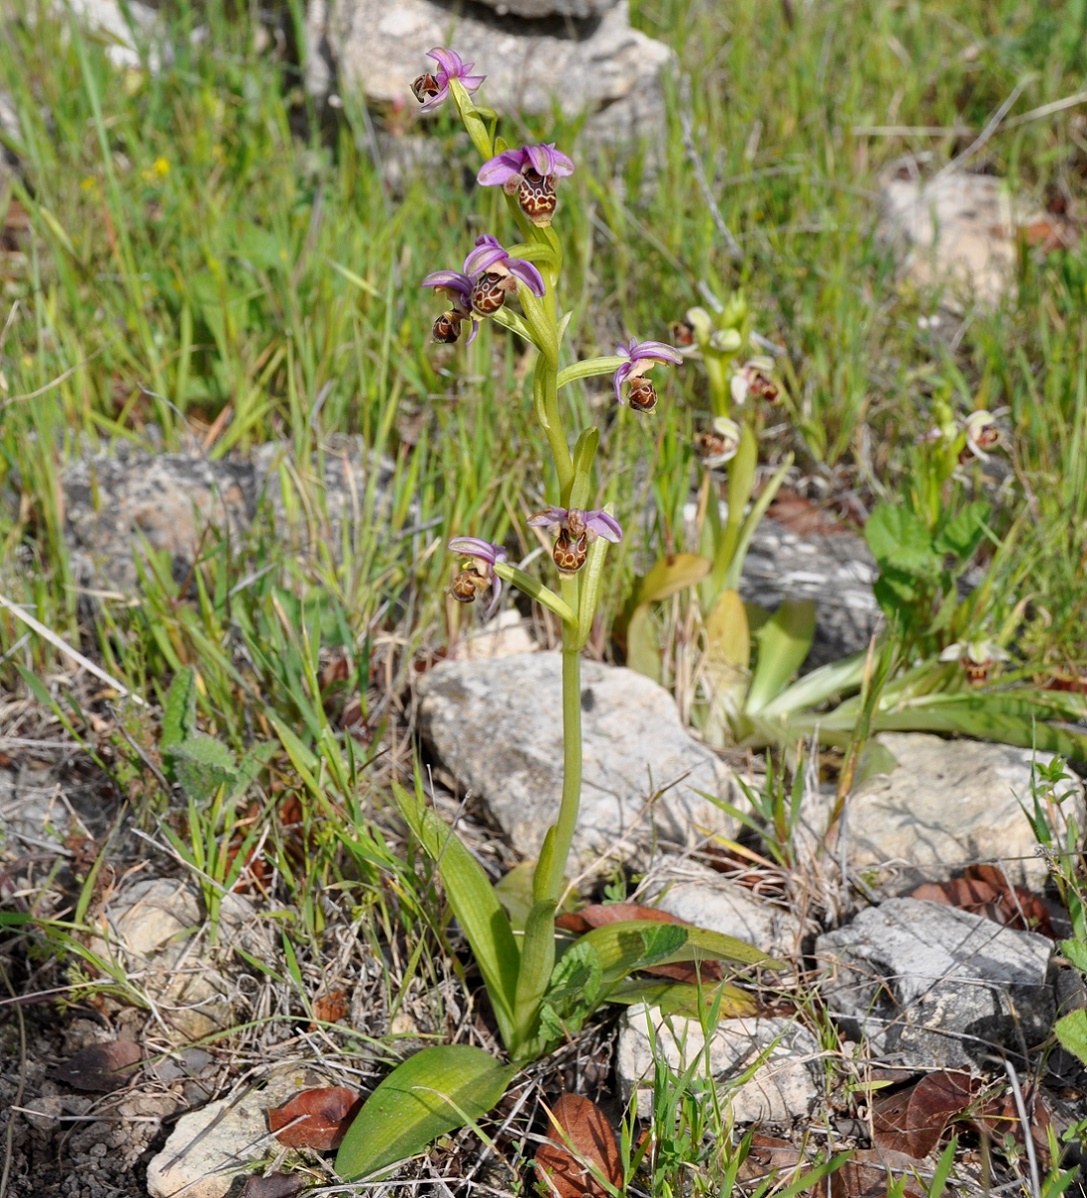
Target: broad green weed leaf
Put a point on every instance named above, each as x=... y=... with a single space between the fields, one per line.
x=202 y=764
x=961 y=535
x=1076 y=952
x=574 y=992
x=179 y=713
x=900 y=539
x=1071 y=1032
x=432 y=1092
x=475 y=905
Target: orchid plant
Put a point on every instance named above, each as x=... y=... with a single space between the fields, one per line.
x=540 y=990
x=944 y=662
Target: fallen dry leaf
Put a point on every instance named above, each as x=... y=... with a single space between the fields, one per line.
x=912 y=1120
x=331 y=1007
x=1000 y=1117
x=315 y=1118
x=984 y=890
x=101 y=1067
x=869 y=1173
x=580 y=1136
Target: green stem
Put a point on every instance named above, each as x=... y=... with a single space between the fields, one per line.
x=571 y=764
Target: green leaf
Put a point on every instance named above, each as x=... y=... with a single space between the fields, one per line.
x=431 y=1093
x=537 y=963
x=475 y=905
x=900 y=539
x=962 y=535
x=202 y=764
x=573 y=993
x=1076 y=952
x=784 y=642
x=683 y=998
x=670 y=574
x=1071 y=1032
x=643 y=647
x=728 y=638
x=179 y=713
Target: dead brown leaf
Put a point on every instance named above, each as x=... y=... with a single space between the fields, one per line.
x=331 y=1007
x=580 y=1137
x=315 y=1118
x=101 y=1067
x=912 y=1120
x=1000 y=1117
x=984 y=890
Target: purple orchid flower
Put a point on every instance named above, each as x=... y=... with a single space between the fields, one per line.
x=480 y=575
x=489 y=257
x=528 y=173
x=576 y=530
x=642 y=356
x=433 y=90
x=510 y=165
x=458 y=287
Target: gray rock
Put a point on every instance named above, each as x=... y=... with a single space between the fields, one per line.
x=934 y=987
x=536 y=10
x=120 y=502
x=707 y=899
x=955 y=228
x=786 y=1083
x=210 y=1147
x=602 y=68
x=836 y=570
x=944 y=805
x=495 y=726
x=121 y=28
x=155 y=934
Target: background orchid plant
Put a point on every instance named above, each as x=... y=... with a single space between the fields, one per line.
x=540 y=991
x=943 y=663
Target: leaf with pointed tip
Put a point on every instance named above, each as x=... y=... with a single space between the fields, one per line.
x=683 y=998
x=643 y=644
x=784 y=642
x=670 y=574
x=179 y=711
x=432 y=1092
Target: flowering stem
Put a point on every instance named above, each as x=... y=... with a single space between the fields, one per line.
x=571 y=766
x=536 y=590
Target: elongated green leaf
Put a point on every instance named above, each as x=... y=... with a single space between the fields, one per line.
x=431 y=1093
x=784 y=642
x=537 y=962
x=475 y=905
x=986 y=723
x=751 y=523
x=637 y=943
x=728 y=638
x=643 y=645
x=818 y=686
x=682 y=998
x=670 y=574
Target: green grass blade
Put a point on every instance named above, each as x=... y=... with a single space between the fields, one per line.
x=475 y=905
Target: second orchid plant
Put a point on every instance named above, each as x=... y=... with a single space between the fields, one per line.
x=540 y=991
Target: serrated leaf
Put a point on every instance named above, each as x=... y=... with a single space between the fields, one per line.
x=179 y=712
x=431 y=1093
x=1071 y=1032
x=574 y=992
x=899 y=539
x=962 y=535
x=202 y=764
x=1076 y=952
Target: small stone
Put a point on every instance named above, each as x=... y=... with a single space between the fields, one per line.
x=941 y=805
x=495 y=726
x=935 y=987
x=786 y=1083
x=956 y=228
x=158 y=936
x=604 y=70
